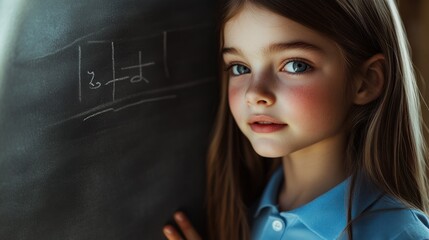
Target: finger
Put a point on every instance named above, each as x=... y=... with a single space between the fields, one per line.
x=186 y=227
x=171 y=233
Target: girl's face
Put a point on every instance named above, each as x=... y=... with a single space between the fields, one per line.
x=287 y=84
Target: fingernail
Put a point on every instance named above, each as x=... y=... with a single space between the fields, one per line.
x=167 y=231
x=180 y=217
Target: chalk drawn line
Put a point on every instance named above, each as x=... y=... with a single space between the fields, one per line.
x=139 y=66
x=98 y=113
x=117 y=80
x=80 y=74
x=136 y=95
x=166 y=71
x=113 y=71
x=74 y=42
x=130 y=105
x=145 y=101
x=153 y=35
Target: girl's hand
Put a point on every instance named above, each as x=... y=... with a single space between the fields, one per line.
x=185 y=226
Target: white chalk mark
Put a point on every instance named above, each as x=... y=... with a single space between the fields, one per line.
x=166 y=71
x=171 y=88
x=98 y=113
x=130 y=39
x=175 y=87
x=130 y=105
x=113 y=71
x=91 y=83
x=102 y=106
x=146 y=101
x=157 y=34
x=80 y=73
x=139 y=66
x=117 y=80
x=97 y=41
x=139 y=78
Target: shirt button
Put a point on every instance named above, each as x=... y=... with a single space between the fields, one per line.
x=277 y=225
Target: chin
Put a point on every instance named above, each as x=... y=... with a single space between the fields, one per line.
x=268 y=152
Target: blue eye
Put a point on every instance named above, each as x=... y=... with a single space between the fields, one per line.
x=296 y=67
x=239 y=69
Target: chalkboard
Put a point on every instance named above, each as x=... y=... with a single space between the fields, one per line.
x=106 y=110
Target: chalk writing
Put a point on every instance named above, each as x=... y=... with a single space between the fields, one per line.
x=94 y=83
x=129 y=71
x=92 y=75
x=91 y=84
x=140 y=66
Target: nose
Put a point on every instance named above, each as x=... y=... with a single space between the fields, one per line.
x=260 y=93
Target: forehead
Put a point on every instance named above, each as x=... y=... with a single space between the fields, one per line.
x=255 y=28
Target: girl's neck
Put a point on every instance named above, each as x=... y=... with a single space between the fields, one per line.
x=311 y=172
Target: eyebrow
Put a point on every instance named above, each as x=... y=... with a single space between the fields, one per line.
x=277 y=47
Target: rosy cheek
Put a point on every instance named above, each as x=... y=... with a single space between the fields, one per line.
x=302 y=96
x=309 y=104
x=234 y=98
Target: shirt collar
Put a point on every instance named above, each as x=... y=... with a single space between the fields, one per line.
x=331 y=205
x=271 y=191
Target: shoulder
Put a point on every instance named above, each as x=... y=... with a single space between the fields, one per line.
x=388 y=218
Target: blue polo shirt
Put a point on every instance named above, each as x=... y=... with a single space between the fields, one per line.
x=379 y=216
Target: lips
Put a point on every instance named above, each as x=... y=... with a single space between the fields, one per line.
x=265 y=124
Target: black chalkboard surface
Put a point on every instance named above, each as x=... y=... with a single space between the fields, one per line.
x=105 y=114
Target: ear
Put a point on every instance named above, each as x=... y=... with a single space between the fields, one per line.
x=369 y=83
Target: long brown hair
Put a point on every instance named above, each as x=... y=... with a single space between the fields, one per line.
x=385 y=137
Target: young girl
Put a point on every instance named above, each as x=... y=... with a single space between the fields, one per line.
x=319 y=98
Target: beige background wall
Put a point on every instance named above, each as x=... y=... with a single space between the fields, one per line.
x=415 y=14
